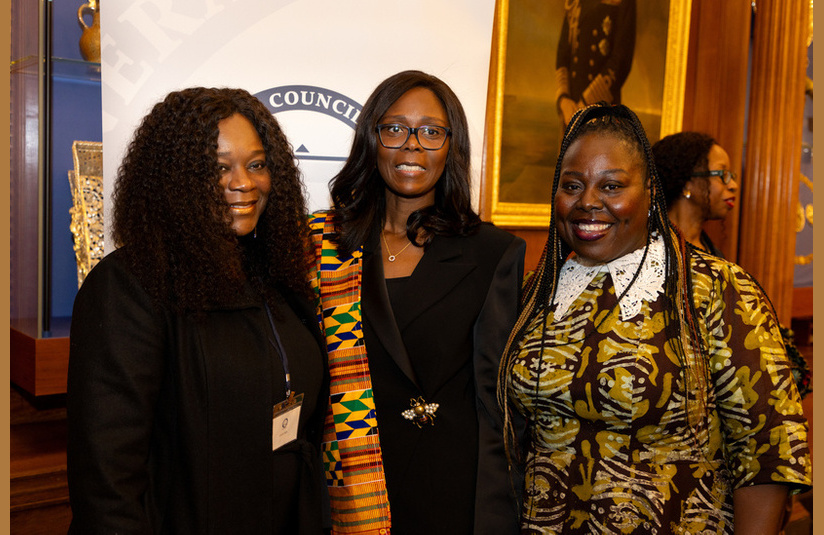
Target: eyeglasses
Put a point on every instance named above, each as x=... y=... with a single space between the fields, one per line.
x=394 y=136
x=726 y=176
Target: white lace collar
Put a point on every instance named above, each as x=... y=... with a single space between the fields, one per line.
x=575 y=277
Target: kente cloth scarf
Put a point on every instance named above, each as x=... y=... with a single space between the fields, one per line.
x=351 y=446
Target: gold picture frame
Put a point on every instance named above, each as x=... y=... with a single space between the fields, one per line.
x=513 y=187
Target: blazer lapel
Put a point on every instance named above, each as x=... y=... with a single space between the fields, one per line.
x=439 y=272
x=381 y=316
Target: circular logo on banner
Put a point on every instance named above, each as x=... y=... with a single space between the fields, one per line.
x=319 y=122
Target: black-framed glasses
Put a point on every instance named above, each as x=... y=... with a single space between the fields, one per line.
x=394 y=136
x=725 y=175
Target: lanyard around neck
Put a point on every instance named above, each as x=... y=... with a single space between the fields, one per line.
x=278 y=345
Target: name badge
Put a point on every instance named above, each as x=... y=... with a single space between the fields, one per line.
x=285 y=420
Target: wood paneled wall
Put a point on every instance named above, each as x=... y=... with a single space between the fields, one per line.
x=773 y=157
x=761 y=130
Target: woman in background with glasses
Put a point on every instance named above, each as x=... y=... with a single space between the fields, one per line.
x=698 y=184
x=417 y=297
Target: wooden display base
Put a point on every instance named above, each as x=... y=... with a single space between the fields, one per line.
x=39 y=365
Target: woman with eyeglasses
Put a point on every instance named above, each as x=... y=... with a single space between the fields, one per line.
x=417 y=299
x=698 y=184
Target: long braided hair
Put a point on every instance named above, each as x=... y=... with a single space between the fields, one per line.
x=681 y=317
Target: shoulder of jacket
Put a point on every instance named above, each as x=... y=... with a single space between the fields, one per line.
x=115 y=262
x=490 y=234
x=113 y=275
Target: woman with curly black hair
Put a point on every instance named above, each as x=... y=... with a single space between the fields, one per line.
x=698 y=183
x=197 y=383
x=657 y=393
x=417 y=298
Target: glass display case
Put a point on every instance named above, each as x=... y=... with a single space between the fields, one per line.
x=54 y=100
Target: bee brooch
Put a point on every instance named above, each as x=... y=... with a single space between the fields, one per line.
x=421 y=412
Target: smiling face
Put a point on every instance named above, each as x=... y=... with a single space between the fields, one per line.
x=244 y=176
x=411 y=172
x=602 y=203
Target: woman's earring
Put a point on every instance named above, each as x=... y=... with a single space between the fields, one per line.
x=688 y=194
x=254 y=232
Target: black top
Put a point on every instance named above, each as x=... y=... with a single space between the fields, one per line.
x=170 y=415
x=709 y=246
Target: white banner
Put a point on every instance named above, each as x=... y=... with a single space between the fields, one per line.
x=313 y=62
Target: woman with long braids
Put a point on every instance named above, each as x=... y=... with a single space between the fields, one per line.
x=657 y=394
x=197 y=383
x=418 y=297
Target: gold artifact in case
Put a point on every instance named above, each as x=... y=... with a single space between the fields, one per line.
x=86 y=182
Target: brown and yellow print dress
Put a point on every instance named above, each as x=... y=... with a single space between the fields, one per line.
x=609 y=448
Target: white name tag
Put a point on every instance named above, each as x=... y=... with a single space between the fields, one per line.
x=285 y=420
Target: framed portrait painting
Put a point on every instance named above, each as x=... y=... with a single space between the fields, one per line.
x=584 y=51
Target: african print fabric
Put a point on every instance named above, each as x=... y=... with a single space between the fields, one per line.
x=351 y=447
x=610 y=449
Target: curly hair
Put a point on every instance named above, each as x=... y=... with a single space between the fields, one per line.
x=681 y=317
x=171 y=215
x=359 y=193
x=677 y=157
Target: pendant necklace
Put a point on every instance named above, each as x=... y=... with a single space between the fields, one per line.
x=392 y=257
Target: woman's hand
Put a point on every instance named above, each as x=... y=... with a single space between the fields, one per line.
x=759 y=509
x=568 y=108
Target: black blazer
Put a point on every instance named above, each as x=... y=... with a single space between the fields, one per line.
x=170 y=416
x=443 y=342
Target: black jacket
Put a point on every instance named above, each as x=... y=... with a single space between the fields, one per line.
x=170 y=416
x=444 y=342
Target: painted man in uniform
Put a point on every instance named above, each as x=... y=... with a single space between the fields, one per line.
x=594 y=53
